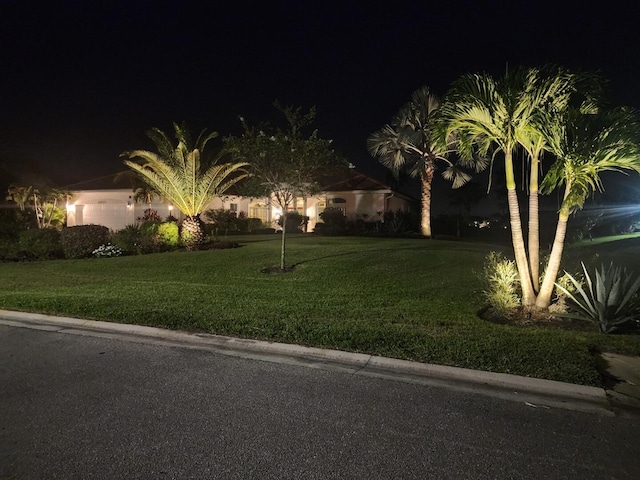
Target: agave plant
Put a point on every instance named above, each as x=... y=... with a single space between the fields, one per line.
x=609 y=300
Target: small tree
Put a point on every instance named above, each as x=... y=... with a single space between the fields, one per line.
x=43 y=201
x=284 y=163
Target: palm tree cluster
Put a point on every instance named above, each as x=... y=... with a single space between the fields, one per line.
x=532 y=110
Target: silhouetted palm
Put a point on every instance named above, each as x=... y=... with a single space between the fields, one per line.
x=410 y=144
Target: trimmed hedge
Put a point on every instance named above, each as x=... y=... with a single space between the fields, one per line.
x=40 y=244
x=80 y=241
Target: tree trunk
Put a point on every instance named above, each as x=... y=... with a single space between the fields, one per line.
x=517 y=238
x=283 y=244
x=551 y=273
x=533 y=245
x=192 y=234
x=426 y=178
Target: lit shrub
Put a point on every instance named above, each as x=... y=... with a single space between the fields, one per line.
x=80 y=241
x=169 y=234
x=502 y=283
x=158 y=236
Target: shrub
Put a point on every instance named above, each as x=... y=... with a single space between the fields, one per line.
x=150 y=215
x=221 y=219
x=295 y=222
x=158 y=237
x=40 y=244
x=10 y=228
x=400 y=222
x=127 y=240
x=80 y=241
x=169 y=234
x=501 y=278
x=334 y=222
x=248 y=224
x=610 y=300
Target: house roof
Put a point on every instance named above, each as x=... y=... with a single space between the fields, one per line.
x=117 y=181
x=354 y=181
x=345 y=181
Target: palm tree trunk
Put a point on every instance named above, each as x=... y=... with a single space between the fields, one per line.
x=533 y=244
x=517 y=238
x=426 y=178
x=192 y=233
x=551 y=273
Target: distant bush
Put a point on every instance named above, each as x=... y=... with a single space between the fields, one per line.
x=80 y=241
x=127 y=240
x=334 y=222
x=150 y=215
x=40 y=244
x=400 y=222
x=221 y=219
x=295 y=222
x=248 y=224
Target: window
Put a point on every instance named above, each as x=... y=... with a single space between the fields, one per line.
x=261 y=211
x=233 y=207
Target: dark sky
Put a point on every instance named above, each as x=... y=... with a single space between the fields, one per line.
x=82 y=81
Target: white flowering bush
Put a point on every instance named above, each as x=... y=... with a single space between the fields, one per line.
x=107 y=250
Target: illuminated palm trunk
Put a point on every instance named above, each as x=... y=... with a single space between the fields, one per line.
x=426 y=178
x=517 y=238
x=551 y=274
x=534 y=226
x=192 y=233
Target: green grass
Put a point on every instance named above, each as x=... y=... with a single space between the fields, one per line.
x=404 y=298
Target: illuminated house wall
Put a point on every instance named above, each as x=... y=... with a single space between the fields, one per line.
x=358 y=196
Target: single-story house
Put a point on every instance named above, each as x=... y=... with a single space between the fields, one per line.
x=110 y=201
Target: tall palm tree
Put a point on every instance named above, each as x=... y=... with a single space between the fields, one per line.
x=585 y=145
x=499 y=116
x=183 y=177
x=410 y=144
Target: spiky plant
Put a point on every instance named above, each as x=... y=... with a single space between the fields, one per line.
x=609 y=300
x=501 y=277
x=183 y=177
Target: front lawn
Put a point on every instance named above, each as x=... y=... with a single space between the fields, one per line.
x=404 y=298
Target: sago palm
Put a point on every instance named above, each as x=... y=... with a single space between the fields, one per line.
x=410 y=144
x=586 y=145
x=180 y=175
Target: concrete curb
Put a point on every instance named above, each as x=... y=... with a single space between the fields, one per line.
x=529 y=390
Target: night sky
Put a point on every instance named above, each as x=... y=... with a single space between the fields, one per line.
x=82 y=81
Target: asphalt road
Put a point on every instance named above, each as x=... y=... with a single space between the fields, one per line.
x=83 y=407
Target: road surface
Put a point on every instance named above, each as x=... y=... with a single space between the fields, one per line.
x=83 y=407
